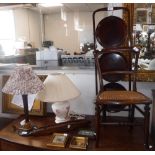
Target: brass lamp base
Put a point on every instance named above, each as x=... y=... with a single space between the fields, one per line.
x=25 y=128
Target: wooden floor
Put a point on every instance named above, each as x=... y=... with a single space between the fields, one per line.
x=114 y=138
x=121 y=138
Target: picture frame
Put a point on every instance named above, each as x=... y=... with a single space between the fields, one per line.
x=79 y=143
x=58 y=140
x=141 y=15
x=152 y=27
x=145 y=28
x=148 y=27
x=153 y=19
x=38 y=109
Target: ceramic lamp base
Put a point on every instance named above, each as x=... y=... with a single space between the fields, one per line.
x=61 y=110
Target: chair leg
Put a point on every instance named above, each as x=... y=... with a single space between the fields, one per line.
x=131 y=115
x=97 y=125
x=104 y=113
x=146 y=125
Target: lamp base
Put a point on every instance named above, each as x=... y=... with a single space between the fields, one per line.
x=61 y=110
x=25 y=128
x=26 y=125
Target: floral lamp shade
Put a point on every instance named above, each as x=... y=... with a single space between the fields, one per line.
x=23 y=80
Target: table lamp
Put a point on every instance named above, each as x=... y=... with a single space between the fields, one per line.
x=23 y=81
x=59 y=89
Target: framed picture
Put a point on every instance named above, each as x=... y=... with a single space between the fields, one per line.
x=153 y=19
x=79 y=143
x=58 y=140
x=145 y=28
x=152 y=27
x=134 y=27
x=148 y=27
x=141 y=15
x=38 y=108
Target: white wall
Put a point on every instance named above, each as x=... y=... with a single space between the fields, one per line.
x=85 y=20
x=56 y=32
x=28 y=26
x=117 y=12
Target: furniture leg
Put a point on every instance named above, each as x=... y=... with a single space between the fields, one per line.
x=97 y=117
x=103 y=113
x=131 y=115
x=146 y=125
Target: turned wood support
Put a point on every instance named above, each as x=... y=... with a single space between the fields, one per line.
x=131 y=115
x=97 y=121
x=146 y=125
x=26 y=111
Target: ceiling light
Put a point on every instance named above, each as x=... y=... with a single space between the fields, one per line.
x=78 y=29
x=65 y=25
x=50 y=4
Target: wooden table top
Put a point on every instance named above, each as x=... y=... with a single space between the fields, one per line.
x=39 y=142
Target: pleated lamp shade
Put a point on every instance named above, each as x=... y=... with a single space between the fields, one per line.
x=58 y=88
x=23 y=81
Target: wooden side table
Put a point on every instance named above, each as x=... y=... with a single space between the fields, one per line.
x=11 y=141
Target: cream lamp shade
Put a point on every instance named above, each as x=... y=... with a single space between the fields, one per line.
x=59 y=89
x=23 y=81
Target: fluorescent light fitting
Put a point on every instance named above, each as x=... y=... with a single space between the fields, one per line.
x=78 y=29
x=65 y=25
x=50 y=4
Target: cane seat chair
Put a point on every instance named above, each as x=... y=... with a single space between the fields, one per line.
x=113 y=64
